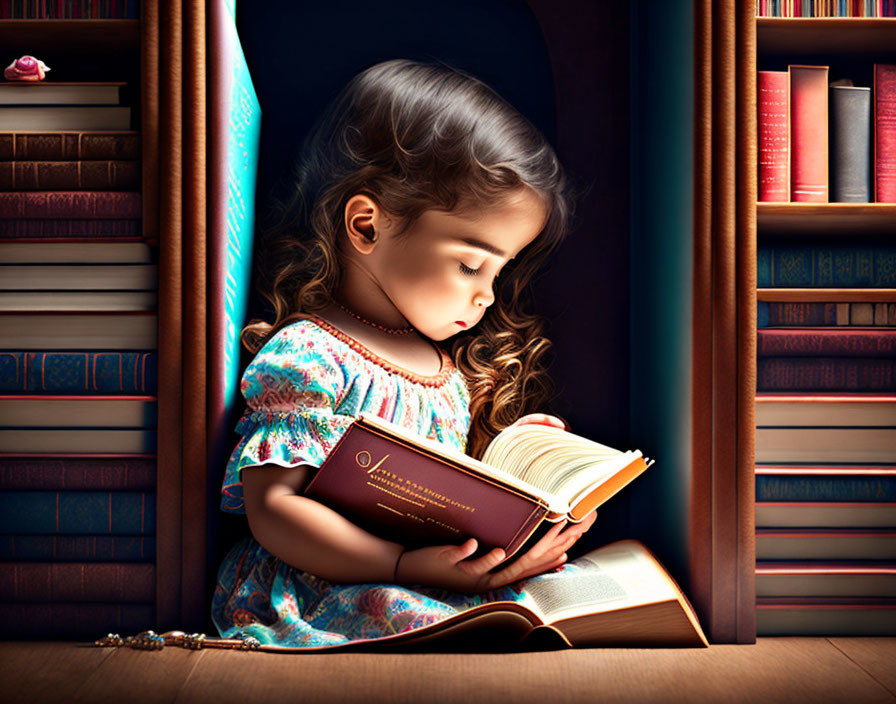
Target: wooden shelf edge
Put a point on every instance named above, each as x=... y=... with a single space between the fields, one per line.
x=827 y=295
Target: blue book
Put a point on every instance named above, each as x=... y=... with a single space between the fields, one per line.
x=77 y=513
x=808 y=266
x=79 y=372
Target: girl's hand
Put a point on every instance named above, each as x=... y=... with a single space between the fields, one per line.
x=541 y=419
x=448 y=566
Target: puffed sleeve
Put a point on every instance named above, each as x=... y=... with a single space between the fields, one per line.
x=291 y=389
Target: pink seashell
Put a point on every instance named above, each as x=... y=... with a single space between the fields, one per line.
x=26 y=68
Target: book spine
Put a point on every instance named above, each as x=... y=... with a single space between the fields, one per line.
x=77 y=581
x=773 y=314
x=774 y=131
x=74 y=205
x=826 y=267
x=70 y=175
x=826 y=343
x=69 y=146
x=77 y=548
x=809 y=133
x=841 y=488
x=850 y=144
x=79 y=372
x=885 y=133
x=825 y=374
x=77 y=513
x=73 y=620
x=78 y=473
x=68 y=228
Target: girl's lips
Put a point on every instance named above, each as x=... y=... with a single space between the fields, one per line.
x=461 y=323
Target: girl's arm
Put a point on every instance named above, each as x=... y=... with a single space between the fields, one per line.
x=308 y=535
x=314 y=538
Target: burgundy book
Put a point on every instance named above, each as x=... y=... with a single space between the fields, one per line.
x=57 y=228
x=78 y=473
x=68 y=146
x=74 y=620
x=71 y=205
x=809 y=134
x=828 y=342
x=885 y=133
x=417 y=492
x=774 y=135
x=77 y=581
x=69 y=175
x=825 y=374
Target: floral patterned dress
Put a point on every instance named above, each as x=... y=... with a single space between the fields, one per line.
x=302 y=391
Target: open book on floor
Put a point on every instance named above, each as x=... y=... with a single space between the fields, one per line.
x=418 y=492
x=617 y=595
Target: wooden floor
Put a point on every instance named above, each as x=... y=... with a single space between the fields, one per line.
x=817 y=670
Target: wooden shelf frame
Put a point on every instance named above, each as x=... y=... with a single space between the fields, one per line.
x=826 y=219
x=83 y=36
x=827 y=295
x=825 y=35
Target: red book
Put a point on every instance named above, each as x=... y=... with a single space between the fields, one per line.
x=72 y=205
x=885 y=133
x=774 y=135
x=826 y=342
x=809 y=134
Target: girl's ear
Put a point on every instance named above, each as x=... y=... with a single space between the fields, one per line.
x=363 y=221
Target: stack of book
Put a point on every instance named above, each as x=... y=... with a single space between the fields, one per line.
x=826 y=443
x=78 y=367
x=826 y=8
x=825 y=142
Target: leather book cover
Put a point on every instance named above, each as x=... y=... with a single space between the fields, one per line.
x=68 y=146
x=404 y=493
x=108 y=175
x=809 y=134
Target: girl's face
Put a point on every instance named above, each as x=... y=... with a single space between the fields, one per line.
x=439 y=274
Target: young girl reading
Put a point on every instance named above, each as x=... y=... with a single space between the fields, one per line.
x=422 y=206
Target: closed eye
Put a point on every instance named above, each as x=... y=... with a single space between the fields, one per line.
x=467 y=271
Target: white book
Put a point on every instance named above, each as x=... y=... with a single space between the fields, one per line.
x=82 y=277
x=75 y=253
x=833 y=514
x=825 y=409
x=826 y=445
x=81 y=440
x=47 y=93
x=78 y=331
x=78 y=412
x=83 y=301
x=14 y=118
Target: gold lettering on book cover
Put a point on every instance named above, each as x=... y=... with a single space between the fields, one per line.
x=381 y=478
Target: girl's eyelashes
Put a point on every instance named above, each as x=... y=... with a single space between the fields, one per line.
x=467 y=271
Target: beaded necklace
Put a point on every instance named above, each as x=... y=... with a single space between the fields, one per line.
x=383 y=328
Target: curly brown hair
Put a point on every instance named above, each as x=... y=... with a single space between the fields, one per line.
x=415 y=137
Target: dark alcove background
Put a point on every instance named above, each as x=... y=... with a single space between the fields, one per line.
x=565 y=65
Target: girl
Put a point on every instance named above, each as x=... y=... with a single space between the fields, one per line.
x=423 y=205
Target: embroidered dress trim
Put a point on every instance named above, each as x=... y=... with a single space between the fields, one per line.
x=439 y=379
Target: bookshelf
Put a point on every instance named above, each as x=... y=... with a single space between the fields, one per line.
x=845 y=597
x=86 y=577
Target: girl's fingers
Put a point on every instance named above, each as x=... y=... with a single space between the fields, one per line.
x=457 y=553
x=483 y=564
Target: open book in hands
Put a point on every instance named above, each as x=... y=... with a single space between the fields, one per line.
x=418 y=492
